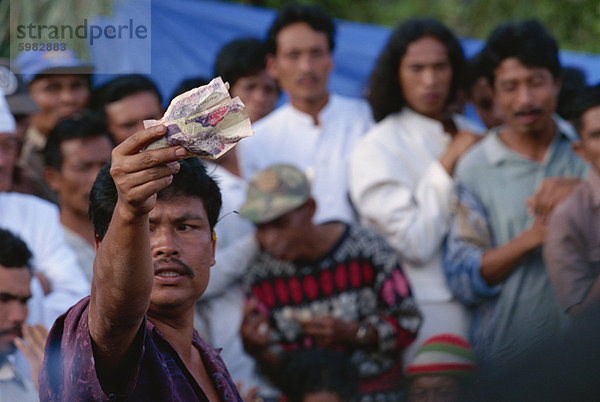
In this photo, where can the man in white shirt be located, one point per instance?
(401, 172)
(76, 150)
(316, 130)
(36, 222)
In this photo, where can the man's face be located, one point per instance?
(14, 293)
(425, 76)
(527, 96)
(302, 63)
(589, 146)
(285, 237)
(9, 151)
(82, 160)
(258, 92)
(434, 388)
(482, 97)
(182, 251)
(125, 116)
(58, 96)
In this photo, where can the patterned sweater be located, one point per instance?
(359, 279)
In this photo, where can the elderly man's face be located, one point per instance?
(285, 237)
(14, 293)
(9, 151)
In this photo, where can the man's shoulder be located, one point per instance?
(576, 209)
(13, 199)
(476, 158)
(349, 105)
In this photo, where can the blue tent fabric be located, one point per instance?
(186, 36)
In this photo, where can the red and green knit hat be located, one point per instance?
(444, 354)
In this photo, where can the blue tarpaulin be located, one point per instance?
(186, 35)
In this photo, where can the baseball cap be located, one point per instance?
(17, 94)
(31, 64)
(273, 192)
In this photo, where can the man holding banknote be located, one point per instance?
(133, 338)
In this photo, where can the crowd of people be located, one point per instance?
(372, 250)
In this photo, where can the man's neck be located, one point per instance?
(532, 145)
(178, 329)
(312, 107)
(79, 224)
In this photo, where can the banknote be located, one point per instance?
(206, 121)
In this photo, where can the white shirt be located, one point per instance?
(36, 221)
(288, 135)
(401, 190)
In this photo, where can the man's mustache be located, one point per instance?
(528, 111)
(187, 269)
(16, 329)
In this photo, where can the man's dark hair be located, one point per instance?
(573, 83)
(587, 99)
(122, 87)
(527, 41)
(240, 58)
(188, 84)
(314, 16)
(308, 371)
(83, 125)
(14, 253)
(192, 180)
(385, 93)
(474, 70)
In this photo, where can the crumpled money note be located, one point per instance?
(204, 120)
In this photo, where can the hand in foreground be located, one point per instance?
(461, 142)
(327, 330)
(139, 176)
(32, 347)
(255, 329)
(549, 194)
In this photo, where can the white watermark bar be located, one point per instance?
(84, 42)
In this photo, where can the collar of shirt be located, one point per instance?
(425, 125)
(35, 138)
(593, 179)
(324, 113)
(497, 152)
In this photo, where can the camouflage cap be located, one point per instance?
(273, 192)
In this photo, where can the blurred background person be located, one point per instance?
(59, 84)
(126, 102)
(76, 150)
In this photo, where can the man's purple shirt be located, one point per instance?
(69, 372)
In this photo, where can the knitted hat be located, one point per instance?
(444, 354)
(273, 192)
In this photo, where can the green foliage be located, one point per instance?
(49, 12)
(574, 23)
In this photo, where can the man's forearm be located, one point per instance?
(123, 274)
(497, 263)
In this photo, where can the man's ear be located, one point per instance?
(271, 65)
(311, 206)
(52, 177)
(96, 242)
(579, 149)
(213, 247)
